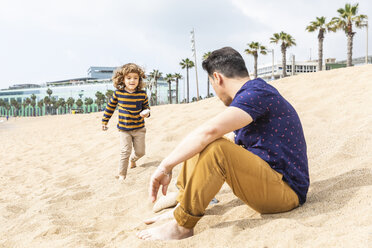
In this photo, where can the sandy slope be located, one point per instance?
(57, 186)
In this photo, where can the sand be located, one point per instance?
(58, 186)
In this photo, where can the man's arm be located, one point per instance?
(229, 120)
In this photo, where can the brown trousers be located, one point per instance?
(250, 178)
(135, 138)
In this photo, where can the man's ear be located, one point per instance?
(217, 78)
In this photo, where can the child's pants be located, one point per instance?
(127, 139)
(250, 178)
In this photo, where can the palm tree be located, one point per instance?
(49, 92)
(79, 103)
(109, 94)
(27, 103)
(53, 102)
(24, 105)
(205, 56)
(7, 107)
(47, 104)
(100, 99)
(169, 79)
(15, 105)
(88, 102)
(33, 103)
(287, 41)
(321, 25)
(2, 106)
(62, 103)
(40, 104)
(348, 17)
(177, 76)
(254, 49)
(70, 102)
(187, 63)
(155, 75)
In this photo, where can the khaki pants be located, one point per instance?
(127, 139)
(250, 178)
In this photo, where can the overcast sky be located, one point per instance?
(45, 40)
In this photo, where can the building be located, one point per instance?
(76, 88)
(101, 72)
(275, 71)
(358, 61)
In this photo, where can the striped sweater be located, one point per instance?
(129, 106)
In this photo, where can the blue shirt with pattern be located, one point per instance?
(275, 135)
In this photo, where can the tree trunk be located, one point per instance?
(349, 49)
(187, 76)
(320, 50)
(176, 90)
(284, 61)
(170, 92)
(255, 65)
(156, 91)
(208, 86)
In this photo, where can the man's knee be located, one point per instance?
(216, 146)
(220, 142)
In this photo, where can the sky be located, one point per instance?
(43, 40)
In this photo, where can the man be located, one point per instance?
(266, 167)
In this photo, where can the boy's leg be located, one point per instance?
(250, 178)
(138, 144)
(125, 151)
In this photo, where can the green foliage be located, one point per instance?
(49, 92)
(187, 63)
(79, 103)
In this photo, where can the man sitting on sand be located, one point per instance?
(266, 167)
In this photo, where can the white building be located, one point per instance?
(274, 71)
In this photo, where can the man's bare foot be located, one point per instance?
(133, 164)
(168, 231)
(163, 216)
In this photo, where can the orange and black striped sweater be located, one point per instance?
(129, 106)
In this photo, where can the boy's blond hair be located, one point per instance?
(122, 71)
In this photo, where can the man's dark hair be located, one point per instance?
(226, 61)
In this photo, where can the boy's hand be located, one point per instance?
(144, 116)
(104, 127)
(145, 113)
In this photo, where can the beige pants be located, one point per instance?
(250, 178)
(135, 138)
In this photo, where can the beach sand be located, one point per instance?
(58, 186)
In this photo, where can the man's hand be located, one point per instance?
(104, 127)
(159, 177)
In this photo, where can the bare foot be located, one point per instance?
(133, 165)
(168, 231)
(120, 177)
(163, 216)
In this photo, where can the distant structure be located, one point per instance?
(358, 61)
(99, 79)
(270, 72)
(274, 71)
(101, 72)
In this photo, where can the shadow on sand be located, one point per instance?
(325, 196)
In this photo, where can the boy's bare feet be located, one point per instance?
(168, 231)
(133, 164)
(163, 216)
(120, 177)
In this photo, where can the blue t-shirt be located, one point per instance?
(275, 135)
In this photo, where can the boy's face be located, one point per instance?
(131, 81)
